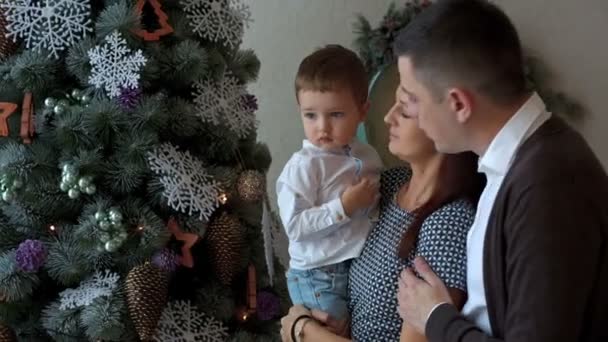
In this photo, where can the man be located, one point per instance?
(537, 253)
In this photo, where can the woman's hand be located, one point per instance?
(287, 321)
(338, 327)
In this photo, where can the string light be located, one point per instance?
(52, 228)
(223, 198)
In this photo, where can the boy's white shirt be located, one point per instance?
(308, 194)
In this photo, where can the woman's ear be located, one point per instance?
(364, 109)
(461, 103)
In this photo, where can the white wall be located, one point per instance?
(568, 35)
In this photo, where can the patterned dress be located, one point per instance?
(374, 275)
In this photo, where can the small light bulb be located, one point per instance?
(223, 198)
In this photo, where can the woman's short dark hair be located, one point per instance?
(470, 43)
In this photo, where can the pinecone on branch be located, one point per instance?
(7, 334)
(225, 241)
(147, 289)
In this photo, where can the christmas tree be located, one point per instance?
(133, 186)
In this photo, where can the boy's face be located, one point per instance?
(330, 118)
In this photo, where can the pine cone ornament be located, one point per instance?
(147, 289)
(7, 334)
(225, 242)
(251, 185)
(7, 46)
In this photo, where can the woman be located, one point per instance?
(425, 210)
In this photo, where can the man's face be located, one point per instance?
(436, 117)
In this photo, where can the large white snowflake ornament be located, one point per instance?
(181, 322)
(224, 103)
(51, 25)
(222, 21)
(115, 66)
(101, 284)
(188, 188)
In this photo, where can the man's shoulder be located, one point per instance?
(553, 152)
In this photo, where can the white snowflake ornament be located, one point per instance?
(51, 25)
(101, 284)
(115, 66)
(222, 21)
(223, 103)
(188, 188)
(181, 322)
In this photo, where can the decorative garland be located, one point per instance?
(375, 47)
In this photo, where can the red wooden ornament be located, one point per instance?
(6, 110)
(27, 119)
(188, 239)
(164, 29)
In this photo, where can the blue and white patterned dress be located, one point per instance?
(374, 275)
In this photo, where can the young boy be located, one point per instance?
(328, 188)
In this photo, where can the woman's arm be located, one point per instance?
(409, 334)
(311, 330)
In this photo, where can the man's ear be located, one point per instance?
(461, 103)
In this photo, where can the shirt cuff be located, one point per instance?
(433, 309)
(439, 320)
(336, 210)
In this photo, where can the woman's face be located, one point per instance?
(406, 140)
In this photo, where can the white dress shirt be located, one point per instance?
(495, 164)
(308, 193)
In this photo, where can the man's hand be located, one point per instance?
(359, 196)
(417, 297)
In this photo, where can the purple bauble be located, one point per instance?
(269, 306)
(166, 260)
(251, 102)
(31, 255)
(129, 98)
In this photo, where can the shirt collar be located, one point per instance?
(340, 150)
(502, 149)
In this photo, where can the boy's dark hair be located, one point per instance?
(470, 43)
(330, 68)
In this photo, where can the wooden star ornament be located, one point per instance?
(188, 239)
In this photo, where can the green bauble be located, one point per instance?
(104, 237)
(105, 225)
(90, 189)
(85, 99)
(7, 196)
(17, 184)
(68, 168)
(75, 94)
(112, 246)
(123, 235)
(50, 102)
(73, 193)
(115, 216)
(59, 109)
(64, 186)
(63, 102)
(100, 216)
(70, 178)
(83, 182)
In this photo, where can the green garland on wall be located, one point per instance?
(375, 47)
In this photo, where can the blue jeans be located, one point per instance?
(323, 288)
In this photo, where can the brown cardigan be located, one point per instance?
(546, 248)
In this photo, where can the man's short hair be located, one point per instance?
(470, 43)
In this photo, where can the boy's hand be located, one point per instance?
(359, 196)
